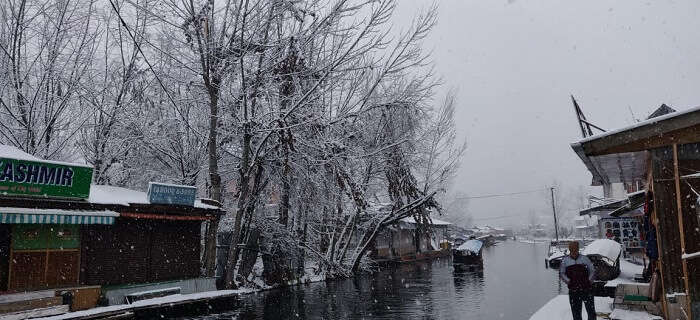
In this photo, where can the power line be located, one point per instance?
(502, 194)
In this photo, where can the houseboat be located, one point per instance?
(404, 242)
(469, 253)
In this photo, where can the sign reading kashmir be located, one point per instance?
(164, 193)
(44, 179)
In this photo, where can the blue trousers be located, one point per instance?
(585, 297)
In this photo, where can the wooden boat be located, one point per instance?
(487, 240)
(605, 256)
(469, 253)
(556, 252)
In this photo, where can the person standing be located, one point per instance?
(577, 272)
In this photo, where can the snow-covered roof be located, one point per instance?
(103, 194)
(471, 246)
(436, 222)
(16, 153)
(620, 155)
(604, 247)
(647, 122)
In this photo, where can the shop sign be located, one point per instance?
(163, 193)
(44, 179)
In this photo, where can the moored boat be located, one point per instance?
(487, 240)
(469, 253)
(605, 256)
(556, 252)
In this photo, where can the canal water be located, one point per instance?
(513, 285)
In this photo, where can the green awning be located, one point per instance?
(55, 216)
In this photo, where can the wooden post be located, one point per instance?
(654, 218)
(554, 211)
(676, 176)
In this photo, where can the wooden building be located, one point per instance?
(57, 234)
(665, 152)
(403, 242)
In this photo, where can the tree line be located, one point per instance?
(313, 122)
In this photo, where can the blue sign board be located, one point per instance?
(164, 193)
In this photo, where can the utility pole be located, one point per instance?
(554, 211)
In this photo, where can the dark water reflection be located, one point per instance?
(512, 285)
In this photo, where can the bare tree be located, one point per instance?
(45, 54)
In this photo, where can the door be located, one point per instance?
(44, 256)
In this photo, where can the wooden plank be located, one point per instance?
(666, 222)
(83, 297)
(5, 238)
(64, 268)
(13, 297)
(27, 270)
(35, 313)
(679, 212)
(17, 306)
(656, 219)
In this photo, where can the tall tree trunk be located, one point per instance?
(284, 191)
(215, 180)
(243, 200)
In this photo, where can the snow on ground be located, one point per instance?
(632, 315)
(559, 308)
(172, 299)
(627, 272)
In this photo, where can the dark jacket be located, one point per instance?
(578, 274)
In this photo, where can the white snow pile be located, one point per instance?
(604, 247)
(471, 246)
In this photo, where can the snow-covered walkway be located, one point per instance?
(168, 300)
(558, 308)
(627, 272)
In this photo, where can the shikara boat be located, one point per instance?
(469, 253)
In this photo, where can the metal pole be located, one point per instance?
(554, 211)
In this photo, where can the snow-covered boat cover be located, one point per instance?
(471, 245)
(604, 247)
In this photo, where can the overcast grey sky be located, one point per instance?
(514, 64)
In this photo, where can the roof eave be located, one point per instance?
(598, 178)
(681, 127)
